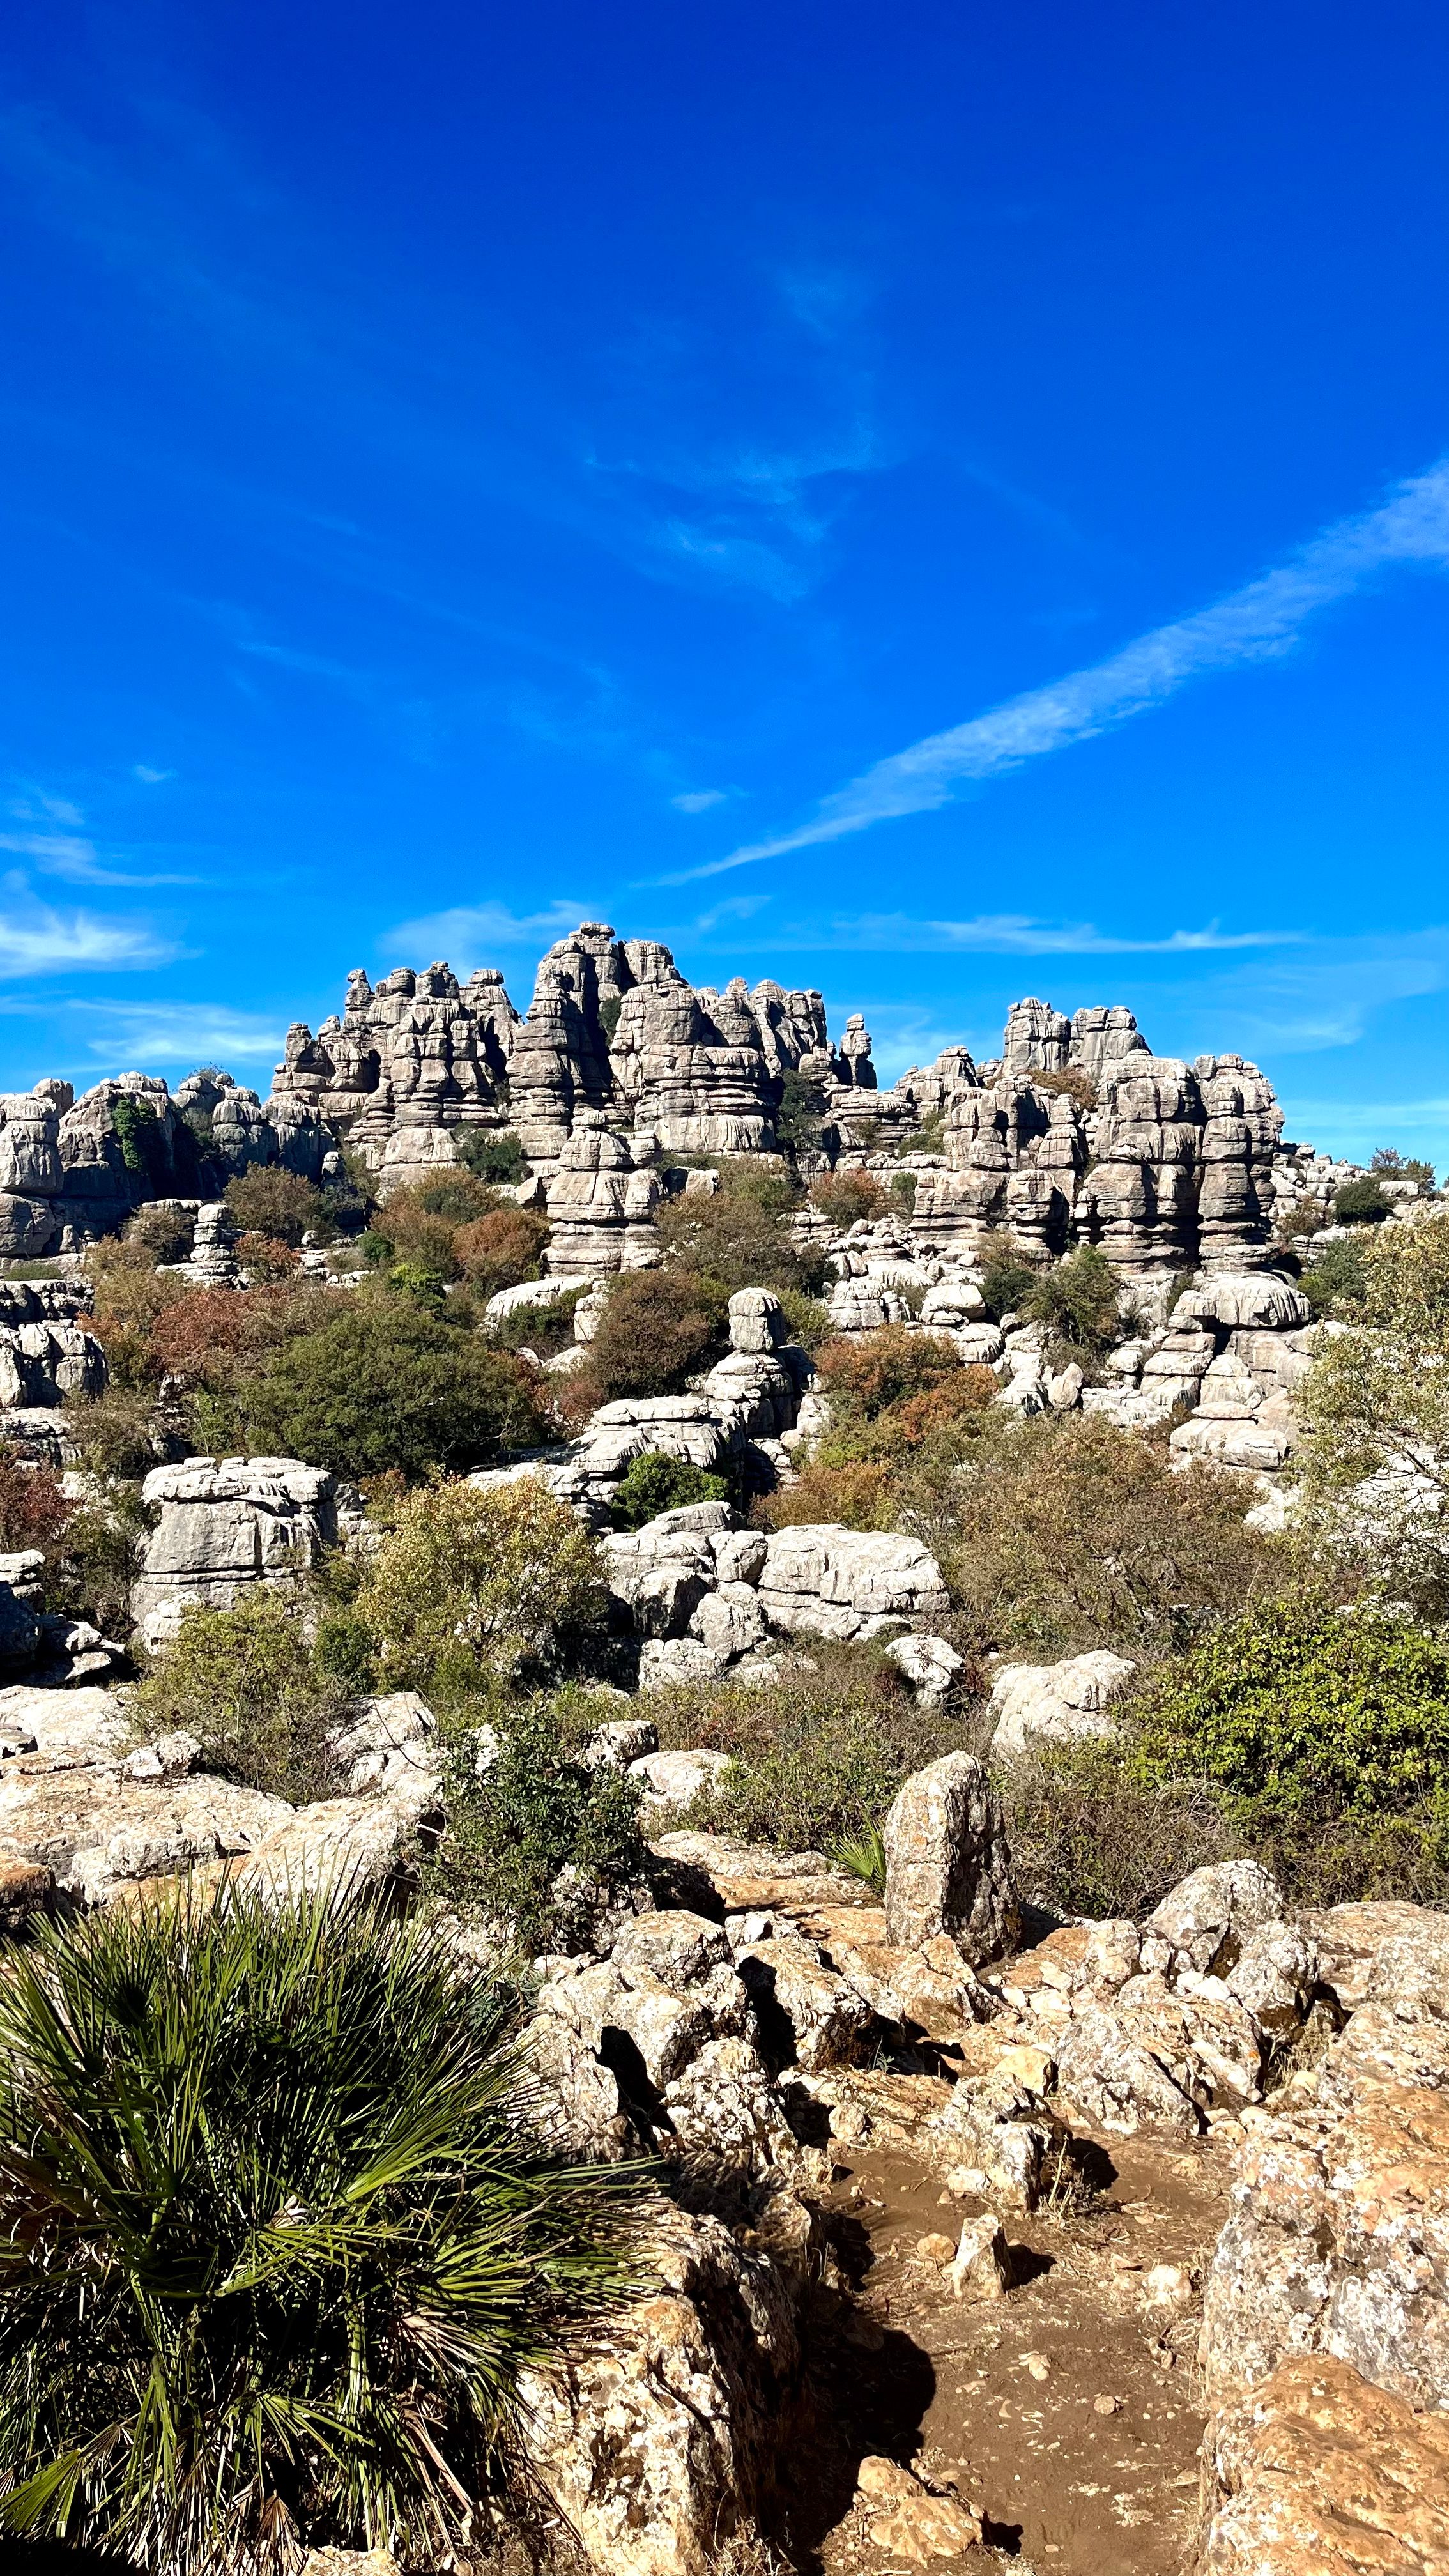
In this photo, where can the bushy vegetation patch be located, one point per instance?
(499, 1160)
(383, 1384)
(1361, 1203)
(1061, 1533)
(813, 1753)
(739, 1235)
(1375, 1405)
(1314, 1739)
(266, 1200)
(848, 1197)
(654, 1483)
(249, 1685)
(536, 1838)
(658, 1329)
(1007, 1277)
(1076, 1302)
(276, 2235)
(1306, 1717)
(474, 1585)
(502, 1249)
(1088, 1836)
(1336, 1280)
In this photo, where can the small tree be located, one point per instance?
(382, 1383)
(800, 1117)
(276, 2235)
(266, 1200)
(654, 1483)
(1373, 1463)
(657, 1328)
(472, 1584)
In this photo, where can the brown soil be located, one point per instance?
(1004, 2404)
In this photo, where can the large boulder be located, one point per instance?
(657, 2447)
(1319, 2473)
(1055, 1703)
(947, 1868)
(1338, 2237)
(819, 1579)
(226, 1523)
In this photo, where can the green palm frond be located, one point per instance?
(277, 2234)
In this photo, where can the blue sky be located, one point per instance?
(940, 503)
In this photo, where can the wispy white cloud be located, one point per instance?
(178, 1032)
(698, 800)
(150, 777)
(1015, 934)
(68, 853)
(35, 940)
(469, 932)
(1258, 623)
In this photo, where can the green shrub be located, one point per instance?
(546, 1328)
(382, 1383)
(248, 1684)
(471, 1584)
(1294, 1717)
(498, 1160)
(845, 1197)
(654, 1483)
(1336, 1279)
(1007, 1278)
(540, 1838)
(1062, 1533)
(266, 1200)
(1076, 1300)
(1375, 1403)
(739, 1235)
(1361, 1203)
(138, 1133)
(813, 1752)
(1088, 1836)
(276, 2235)
(800, 1116)
(658, 1328)
(903, 1191)
(1391, 1163)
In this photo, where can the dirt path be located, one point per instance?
(1066, 2413)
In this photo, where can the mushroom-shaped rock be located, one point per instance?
(758, 1321)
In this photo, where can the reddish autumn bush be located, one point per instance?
(858, 1494)
(33, 1510)
(968, 1390)
(502, 1249)
(265, 1256)
(657, 1330)
(866, 1373)
(847, 1197)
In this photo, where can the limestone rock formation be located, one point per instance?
(226, 1523)
(946, 1862)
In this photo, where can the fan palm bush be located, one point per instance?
(277, 2235)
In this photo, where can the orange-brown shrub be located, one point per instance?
(502, 1249)
(857, 1495)
(865, 1373)
(847, 1197)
